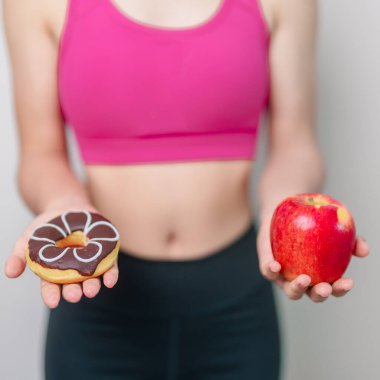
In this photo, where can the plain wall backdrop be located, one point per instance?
(336, 340)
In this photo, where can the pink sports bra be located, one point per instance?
(133, 92)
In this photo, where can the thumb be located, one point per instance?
(16, 262)
(269, 267)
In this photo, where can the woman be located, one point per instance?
(164, 101)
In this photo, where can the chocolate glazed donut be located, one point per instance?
(73, 247)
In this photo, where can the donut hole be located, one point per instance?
(74, 240)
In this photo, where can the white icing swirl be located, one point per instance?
(87, 228)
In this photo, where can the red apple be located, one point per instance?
(312, 234)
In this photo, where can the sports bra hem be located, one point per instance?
(220, 146)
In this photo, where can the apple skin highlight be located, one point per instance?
(312, 234)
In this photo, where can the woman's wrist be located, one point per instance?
(266, 216)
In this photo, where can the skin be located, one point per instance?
(180, 219)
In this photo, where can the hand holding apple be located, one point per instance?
(312, 234)
(314, 224)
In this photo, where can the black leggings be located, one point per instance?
(206, 319)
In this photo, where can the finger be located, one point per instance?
(361, 248)
(296, 289)
(16, 263)
(51, 293)
(271, 269)
(342, 286)
(14, 266)
(111, 276)
(72, 292)
(91, 287)
(320, 292)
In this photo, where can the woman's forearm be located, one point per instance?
(290, 170)
(49, 182)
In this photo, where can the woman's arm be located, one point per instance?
(44, 176)
(294, 162)
(45, 179)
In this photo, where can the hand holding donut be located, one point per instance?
(70, 246)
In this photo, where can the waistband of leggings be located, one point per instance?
(189, 286)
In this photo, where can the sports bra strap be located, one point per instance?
(76, 8)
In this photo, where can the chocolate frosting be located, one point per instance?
(102, 235)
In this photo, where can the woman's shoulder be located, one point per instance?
(280, 12)
(36, 18)
(25, 12)
(288, 10)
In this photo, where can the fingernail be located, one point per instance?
(92, 292)
(51, 302)
(8, 269)
(111, 282)
(74, 296)
(302, 286)
(274, 267)
(348, 287)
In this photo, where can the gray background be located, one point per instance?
(335, 340)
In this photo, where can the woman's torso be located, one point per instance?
(176, 210)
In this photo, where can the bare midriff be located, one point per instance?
(174, 211)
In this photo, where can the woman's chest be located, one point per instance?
(119, 73)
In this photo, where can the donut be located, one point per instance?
(73, 247)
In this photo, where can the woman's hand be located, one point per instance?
(295, 289)
(51, 293)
